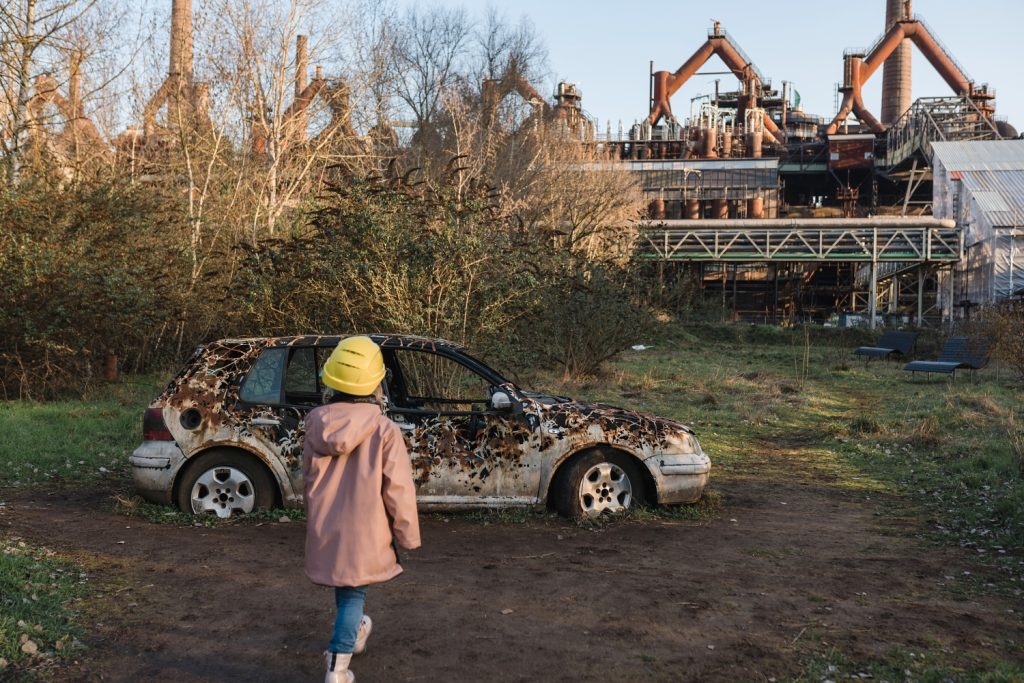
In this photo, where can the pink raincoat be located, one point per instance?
(358, 492)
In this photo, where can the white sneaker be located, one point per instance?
(337, 668)
(365, 627)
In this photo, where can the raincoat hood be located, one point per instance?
(341, 430)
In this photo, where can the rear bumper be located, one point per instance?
(155, 466)
(680, 478)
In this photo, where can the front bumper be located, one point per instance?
(155, 466)
(679, 477)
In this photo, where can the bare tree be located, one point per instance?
(429, 57)
(33, 39)
(500, 46)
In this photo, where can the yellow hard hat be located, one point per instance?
(356, 367)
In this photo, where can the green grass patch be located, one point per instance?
(919, 666)
(37, 592)
(767, 403)
(780, 405)
(131, 505)
(78, 440)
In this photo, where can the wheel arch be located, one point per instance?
(236, 448)
(649, 483)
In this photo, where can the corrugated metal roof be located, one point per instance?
(999, 194)
(990, 201)
(981, 155)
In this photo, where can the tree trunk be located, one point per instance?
(25, 43)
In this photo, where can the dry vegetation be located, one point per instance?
(239, 207)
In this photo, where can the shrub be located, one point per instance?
(588, 315)
(82, 271)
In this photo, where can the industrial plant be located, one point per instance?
(913, 216)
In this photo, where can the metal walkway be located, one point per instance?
(867, 240)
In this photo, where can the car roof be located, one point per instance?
(384, 340)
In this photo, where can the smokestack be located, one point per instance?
(301, 64)
(181, 39)
(75, 85)
(896, 73)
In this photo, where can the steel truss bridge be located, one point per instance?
(844, 240)
(886, 246)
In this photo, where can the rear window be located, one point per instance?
(263, 383)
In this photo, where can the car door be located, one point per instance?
(280, 389)
(464, 451)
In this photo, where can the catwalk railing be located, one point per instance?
(877, 240)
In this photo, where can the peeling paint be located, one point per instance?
(482, 454)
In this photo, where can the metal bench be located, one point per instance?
(889, 344)
(958, 353)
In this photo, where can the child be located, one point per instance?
(359, 494)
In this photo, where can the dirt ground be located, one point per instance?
(789, 571)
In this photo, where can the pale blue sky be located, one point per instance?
(605, 47)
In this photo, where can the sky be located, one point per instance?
(606, 48)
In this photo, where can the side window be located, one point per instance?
(434, 382)
(263, 383)
(300, 379)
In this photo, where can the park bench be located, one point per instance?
(958, 353)
(889, 344)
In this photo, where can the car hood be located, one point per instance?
(565, 417)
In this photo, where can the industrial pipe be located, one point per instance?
(858, 71)
(667, 84)
(897, 72)
(181, 39)
(810, 223)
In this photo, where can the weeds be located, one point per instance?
(1015, 434)
(72, 440)
(36, 590)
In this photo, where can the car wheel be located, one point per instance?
(597, 482)
(225, 483)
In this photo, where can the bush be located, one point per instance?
(587, 316)
(1005, 326)
(82, 275)
(392, 256)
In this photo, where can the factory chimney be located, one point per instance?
(301, 64)
(896, 74)
(181, 40)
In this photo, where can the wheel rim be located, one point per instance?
(223, 491)
(605, 487)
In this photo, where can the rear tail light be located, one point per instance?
(153, 426)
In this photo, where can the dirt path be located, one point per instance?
(787, 572)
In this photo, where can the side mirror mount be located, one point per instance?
(501, 402)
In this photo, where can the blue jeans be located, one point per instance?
(346, 624)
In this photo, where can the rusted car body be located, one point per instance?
(475, 439)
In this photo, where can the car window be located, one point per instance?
(300, 378)
(263, 383)
(434, 382)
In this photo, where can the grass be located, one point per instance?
(798, 402)
(768, 404)
(925, 665)
(73, 441)
(37, 592)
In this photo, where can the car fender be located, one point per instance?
(548, 476)
(289, 496)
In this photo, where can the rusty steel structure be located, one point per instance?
(566, 114)
(897, 74)
(860, 66)
(186, 101)
(79, 134)
(665, 84)
(334, 93)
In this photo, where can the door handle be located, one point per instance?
(266, 422)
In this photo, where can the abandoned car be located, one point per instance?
(225, 436)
